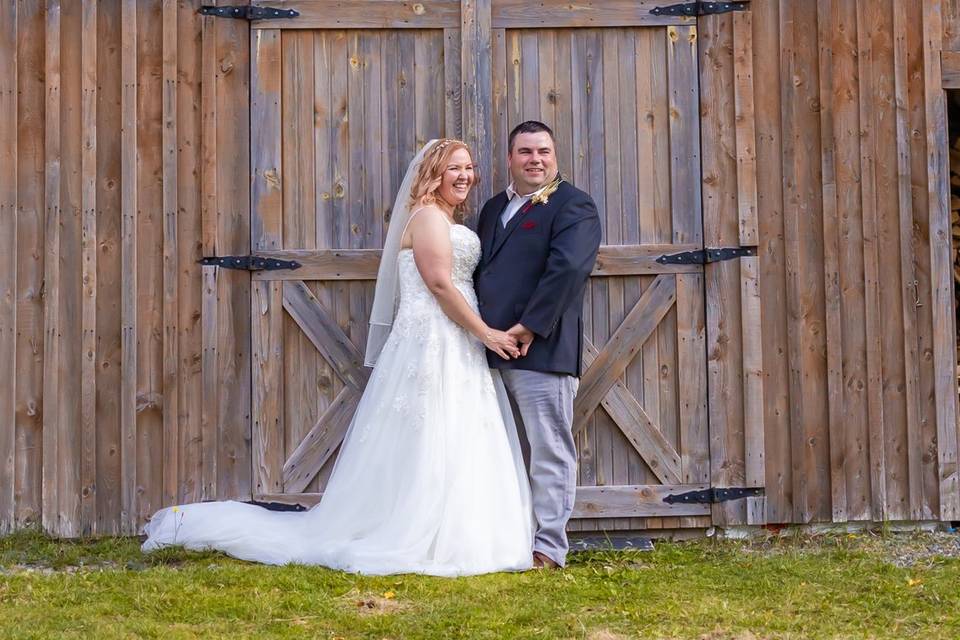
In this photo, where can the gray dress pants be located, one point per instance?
(545, 404)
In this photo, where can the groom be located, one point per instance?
(540, 239)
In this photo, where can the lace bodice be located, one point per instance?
(415, 298)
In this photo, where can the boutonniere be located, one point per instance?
(528, 225)
(543, 195)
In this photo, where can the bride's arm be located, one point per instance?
(433, 254)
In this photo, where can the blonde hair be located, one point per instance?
(430, 174)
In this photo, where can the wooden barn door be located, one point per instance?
(336, 116)
(341, 100)
(624, 103)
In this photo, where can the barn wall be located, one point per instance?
(123, 159)
(859, 390)
(127, 366)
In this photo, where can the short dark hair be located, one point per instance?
(530, 126)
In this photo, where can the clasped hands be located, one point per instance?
(510, 344)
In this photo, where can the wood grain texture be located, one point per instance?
(477, 89)
(170, 269)
(803, 245)
(8, 263)
(233, 224)
(88, 270)
(944, 323)
(831, 263)
(637, 425)
(367, 14)
(622, 345)
(721, 227)
(911, 376)
(519, 14)
(268, 199)
(209, 331)
(52, 514)
(627, 501)
(950, 69)
(875, 405)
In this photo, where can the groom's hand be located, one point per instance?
(523, 335)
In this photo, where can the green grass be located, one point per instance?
(837, 586)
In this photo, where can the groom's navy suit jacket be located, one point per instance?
(535, 272)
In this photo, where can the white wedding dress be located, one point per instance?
(430, 478)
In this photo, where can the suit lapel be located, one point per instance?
(542, 209)
(497, 205)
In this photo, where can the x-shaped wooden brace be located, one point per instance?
(601, 385)
(334, 345)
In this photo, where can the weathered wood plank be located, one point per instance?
(189, 229)
(324, 64)
(477, 90)
(746, 127)
(171, 299)
(209, 330)
(944, 322)
(108, 271)
(499, 124)
(635, 501)
(920, 216)
(950, 69)
(453, 107)
(232, 61)
(625, 342)
(721, 213)
(692, 416)
(268, 385)
(88, 270)
(684, 134)
(8, 262)
(873, 329)
(70, 264)
(767, 107)
(275, 203)
(297, 362)
(750, 301)
(367, 14)
(149, 265)
(561, 14)
(831, 264)
(362, 264)
(803, 240)
(52, 515)
(909, 294)
(31, 96)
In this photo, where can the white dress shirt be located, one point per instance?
(514, 202)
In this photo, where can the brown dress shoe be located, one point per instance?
(540, 561)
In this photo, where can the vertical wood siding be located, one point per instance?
(124, 157)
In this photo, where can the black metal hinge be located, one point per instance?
(706, 256)
(713, 495)
(249, 263)
(699, 8)
(248, 12)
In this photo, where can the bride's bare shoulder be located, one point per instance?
(427, 215)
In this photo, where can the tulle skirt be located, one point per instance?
(429, 479)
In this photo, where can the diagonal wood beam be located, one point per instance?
(320, 442)
(623, 345)
(637, 425)
(325, 334)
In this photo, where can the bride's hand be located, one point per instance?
(501, 343)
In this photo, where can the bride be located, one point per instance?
(430, 477)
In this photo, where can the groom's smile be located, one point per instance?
(532, 161)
